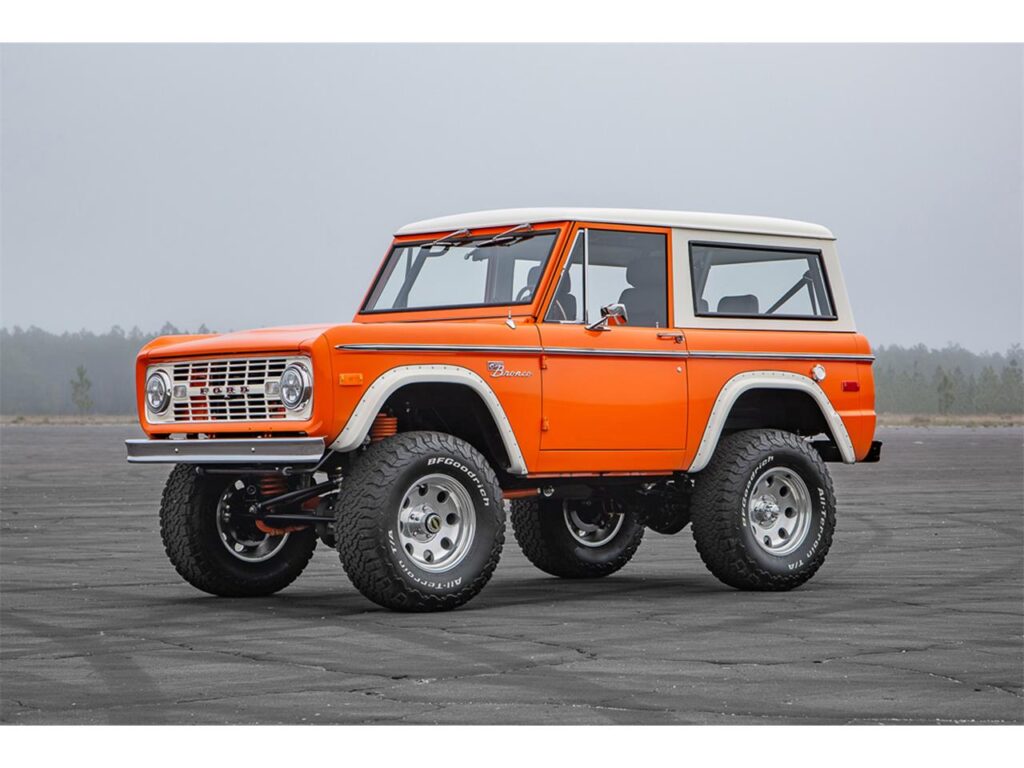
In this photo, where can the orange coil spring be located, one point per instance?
(273, 485)
(383, 426)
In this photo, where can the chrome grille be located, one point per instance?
(228, 390)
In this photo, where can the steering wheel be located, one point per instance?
(525, 293)
(556, 304)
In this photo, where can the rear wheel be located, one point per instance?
(420, 522)
(575, 539)
(217, 549)
(764, 511)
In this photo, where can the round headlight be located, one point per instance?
(296, 386)
(158, 392)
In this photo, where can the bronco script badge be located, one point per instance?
(498, 370)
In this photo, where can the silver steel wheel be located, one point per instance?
(779, 511)
(241, 537)
(436, 523)
(591, 528)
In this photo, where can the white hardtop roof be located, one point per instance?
(717, 222)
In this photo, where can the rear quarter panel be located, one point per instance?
(707, 376)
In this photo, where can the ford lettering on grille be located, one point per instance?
(229, 390)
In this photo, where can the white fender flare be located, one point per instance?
(373, 399)
(744, 382)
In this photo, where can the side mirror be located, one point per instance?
(611, 314)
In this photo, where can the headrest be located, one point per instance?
(533, 276)
(646, 272)
(564, 284)
(739, 305)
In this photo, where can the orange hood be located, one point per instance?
(284, 339)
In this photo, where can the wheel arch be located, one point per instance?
(775, 386)
(406, 381)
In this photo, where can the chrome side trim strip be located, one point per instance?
(270, 450)
(438, 348)
(587, 352)
(508, 349)
(725, 355)
(743, 382)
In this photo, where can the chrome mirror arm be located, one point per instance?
(608, 312)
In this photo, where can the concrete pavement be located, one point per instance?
(917, 615)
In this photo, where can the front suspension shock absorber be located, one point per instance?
(271, 486)
(383, 426)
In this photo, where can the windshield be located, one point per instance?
(469, 272)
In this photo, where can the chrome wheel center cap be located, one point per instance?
(421, 522)
(765, 509)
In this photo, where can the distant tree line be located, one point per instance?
(71, 373)
(84, 372)
(951, 380)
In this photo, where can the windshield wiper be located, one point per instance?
(506, 237)
(444, 240)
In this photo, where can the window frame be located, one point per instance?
(383, 274)
(585, 228)
(695, 299)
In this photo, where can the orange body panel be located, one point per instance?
(627, 403)
(629, 400)
(708, 376)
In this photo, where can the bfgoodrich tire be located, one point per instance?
(575, 539)
(764, 511)
(218, 554)
(420, 522)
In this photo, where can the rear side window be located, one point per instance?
(746, 281)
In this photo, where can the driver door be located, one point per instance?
(616, 387)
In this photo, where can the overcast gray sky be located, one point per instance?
(242, 186)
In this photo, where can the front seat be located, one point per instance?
(745, 304)
(645, 301)
(532, 278)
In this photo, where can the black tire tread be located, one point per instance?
(364, 493)
(181, 503)
(551, 555)
(717, 526)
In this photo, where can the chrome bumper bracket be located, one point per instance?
(270, 450)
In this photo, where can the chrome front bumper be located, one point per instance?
(270, 450)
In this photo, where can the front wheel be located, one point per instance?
(420, 522)
(764, 511)
(575, 538)
(217, 549)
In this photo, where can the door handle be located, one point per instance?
(676, 337)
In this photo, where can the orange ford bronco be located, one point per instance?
(602, 371)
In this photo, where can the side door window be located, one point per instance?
(613, 267)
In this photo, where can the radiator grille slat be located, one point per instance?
(228, 390)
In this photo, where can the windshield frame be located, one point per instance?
(385, 270)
